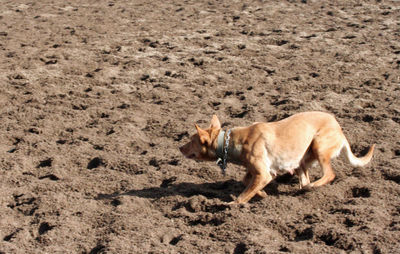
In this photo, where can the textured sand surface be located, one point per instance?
(97, 96)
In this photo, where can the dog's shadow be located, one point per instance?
(222, 190)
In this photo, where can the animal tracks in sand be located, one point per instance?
(95, 100)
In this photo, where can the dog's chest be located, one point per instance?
(279, 163)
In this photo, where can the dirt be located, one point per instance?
(97, 96)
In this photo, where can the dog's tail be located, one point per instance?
(356, 161)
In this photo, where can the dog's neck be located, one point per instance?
(220, 144)
(232, 151)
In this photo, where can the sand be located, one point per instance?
(97, 96)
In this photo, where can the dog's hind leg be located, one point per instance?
(325, 150)
(304, 178)
(329, 174)
(302, 171)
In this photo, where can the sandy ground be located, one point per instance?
(96, 97)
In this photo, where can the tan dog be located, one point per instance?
(290, 145)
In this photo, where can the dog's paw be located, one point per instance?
(235, 202)
(307, 187)
(262, 194)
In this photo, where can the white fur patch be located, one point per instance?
(268, 163)
(339, 151)
(356, 162)
(277, 164)
(288, 166)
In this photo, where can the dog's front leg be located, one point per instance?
(246, 181)
(260, 177)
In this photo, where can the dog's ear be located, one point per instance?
(215, 123)
(203, 135)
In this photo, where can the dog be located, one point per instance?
(291, 145)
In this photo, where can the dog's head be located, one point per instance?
(202, 145)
